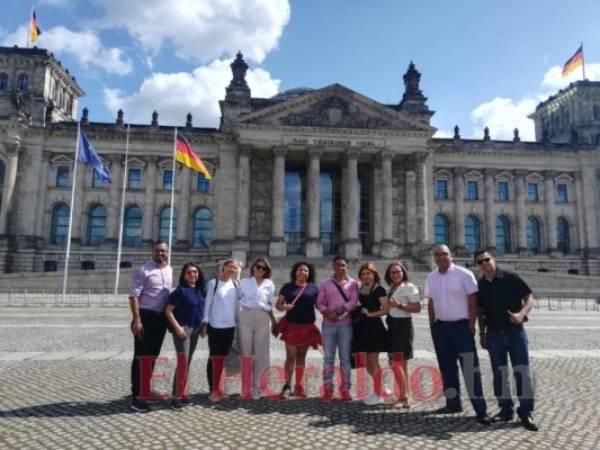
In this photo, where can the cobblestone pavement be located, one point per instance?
(64, 381)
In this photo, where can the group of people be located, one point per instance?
(354, 311)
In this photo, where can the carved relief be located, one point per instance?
(336, 112)
(261, 169)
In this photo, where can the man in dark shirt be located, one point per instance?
(504, 300)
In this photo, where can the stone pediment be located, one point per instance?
(334, 107)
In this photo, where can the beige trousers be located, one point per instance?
(254, 336)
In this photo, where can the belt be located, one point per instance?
(451, 322)
(151, 312)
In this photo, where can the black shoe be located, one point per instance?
(502, 417)
(140, 406)
(286, 391)
(448, 410)
(528, 423)
(483, 419)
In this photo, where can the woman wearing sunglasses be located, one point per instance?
(257, 295)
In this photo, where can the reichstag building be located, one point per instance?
(310, 172)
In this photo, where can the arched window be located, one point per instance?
(132, 226)
(163, 225)
(502, 234)
(202, 228)
(60, 224)
(562, 235)
(3, 82)
(23, 82)
(533, 234)
(97, 225)
(441, 230)
(472, 233)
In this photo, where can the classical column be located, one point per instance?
(521, 215)
(423, 230)
(241, 245)
(277, 246)
(549, 212)
(589, 187)
(8, 189)
(410, 195)
(79, 206)
(376, 199)
(388, 248)
(43, 194)
(116, 184)
(490, 209)
(581, 230)
(313, 247)
(351, 246)
(459, 210)
(149, 204)
(183, 210)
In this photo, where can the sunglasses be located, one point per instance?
(263, 268)
(484, 260)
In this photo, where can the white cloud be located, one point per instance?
(202, 30)
(173, 95)
(443, 134)
(503, 115)
(86, 46)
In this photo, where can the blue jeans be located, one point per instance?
(339, 337)
(513, 343)
(453, 341)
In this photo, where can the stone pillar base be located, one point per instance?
(239, 250)
(524, 252)
(554, 253)
(313, 248)
(388, 250)
(461, 251)
(277, 247)
(351, 249)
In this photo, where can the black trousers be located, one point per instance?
(219, 344)
(146, 346)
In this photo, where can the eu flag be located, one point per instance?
(87, 154)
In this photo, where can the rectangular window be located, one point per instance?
(472, 190)
(561, 193)
(203, 183)
(167, 180)
(62, 176)
(134, 179)
(97, 181)
(441, 189)
(532, 192)
(502, 191)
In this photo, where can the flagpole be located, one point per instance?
(69, 229)
(122, 214)
(29, 25)
(172, 197)
(582, 61)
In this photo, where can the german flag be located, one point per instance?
(34, 29)
(185, 154)
(574, 62)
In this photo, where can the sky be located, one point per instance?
(483, 62)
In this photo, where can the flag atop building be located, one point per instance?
(573, 62)
(185, 154)
(87, 154)
(34, 29)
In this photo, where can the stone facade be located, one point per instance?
(307, 172)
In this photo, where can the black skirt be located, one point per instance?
(369, 335)
(400, 336)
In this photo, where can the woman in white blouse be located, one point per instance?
(256, 316)
(219, 321)
(404, 300)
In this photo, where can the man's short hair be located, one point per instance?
(339, 258)
(480, 252)
(160, 242)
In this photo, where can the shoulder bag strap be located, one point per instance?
(339, 288)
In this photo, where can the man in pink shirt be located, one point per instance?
(338, 296)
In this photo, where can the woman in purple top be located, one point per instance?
(184, 311)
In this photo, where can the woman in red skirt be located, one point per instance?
(297, 328)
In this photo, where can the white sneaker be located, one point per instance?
(372, 400)
(256, 396)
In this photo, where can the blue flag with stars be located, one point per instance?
(87, 154)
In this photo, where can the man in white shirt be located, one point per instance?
(452, 306)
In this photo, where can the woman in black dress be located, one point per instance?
(370, 335)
